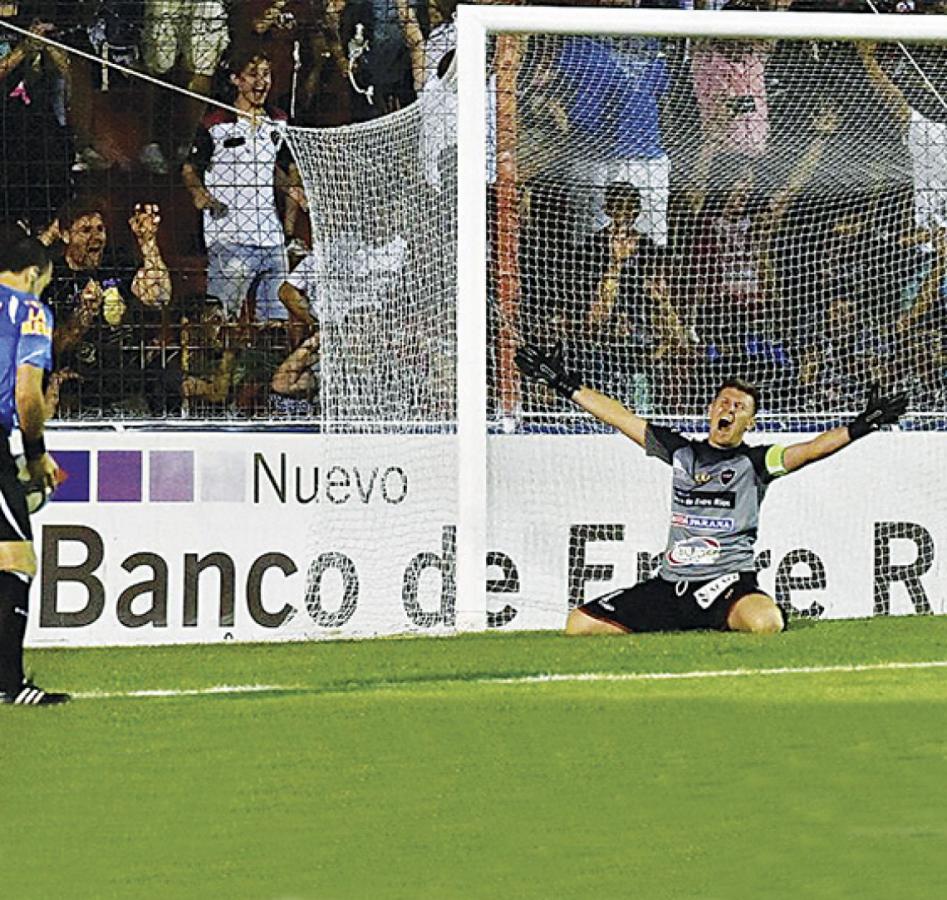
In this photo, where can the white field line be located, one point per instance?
(522, 679)
(719, 673)
(183, 692)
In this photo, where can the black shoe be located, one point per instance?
(30, 695)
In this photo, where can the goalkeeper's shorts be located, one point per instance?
(660, 605)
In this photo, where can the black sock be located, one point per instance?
(14, 597)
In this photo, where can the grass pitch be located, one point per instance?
(429, 768)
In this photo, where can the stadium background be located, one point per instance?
(76, 137)
(81, 142)
(532, 765)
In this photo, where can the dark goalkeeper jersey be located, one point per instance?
(715, 503)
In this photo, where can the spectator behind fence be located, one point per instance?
(629, 327)
(109, 315)
(209, 352)
(730, 86)
(325, 92)
(285, 31)
(35, 155)
(921, 357)
(735, 259)
(195, 33)
(110, 30)
(227, 366)
(235, 166)
(871, 154)
(294, 387)
(429, 52)
(614, 87)
(843, 355)
(926, 139)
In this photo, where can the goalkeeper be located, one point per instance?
(706, 578)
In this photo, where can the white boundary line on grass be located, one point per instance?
(719, 673)
(521, 679)
(183, 692)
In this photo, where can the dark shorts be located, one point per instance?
(14, 518)
(659, 605)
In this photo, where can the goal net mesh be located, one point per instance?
(381, 280)
(689, 210)
(677, 212)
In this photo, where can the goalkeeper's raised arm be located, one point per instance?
(707, 577)
(550, 370)
(878, 411)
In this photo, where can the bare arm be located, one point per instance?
(878, 411)
(297, 304)
(30, 404)
(152, 282)
(415, 41)
(290, 183)
(548, 368)
(696, 193)
(827, 443)
(12, 60)
(606, 293)
(26, 47)
(88, 304)
(825, 123)
(200, 196)
(611, 412)
(294, 376)
(31, 413)
(891, 94)
(621, 248)
(53, 389)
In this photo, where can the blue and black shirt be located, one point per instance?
(26, 338)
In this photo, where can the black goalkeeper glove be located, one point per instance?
(547, 368)
(879, 411)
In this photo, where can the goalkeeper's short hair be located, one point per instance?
(745, 387)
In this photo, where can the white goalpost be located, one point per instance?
(777, 290)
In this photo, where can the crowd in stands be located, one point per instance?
(776, 209)
(178, 225)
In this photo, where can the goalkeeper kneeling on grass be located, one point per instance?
(706, 578)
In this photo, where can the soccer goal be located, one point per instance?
(675, 198)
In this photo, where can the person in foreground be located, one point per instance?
(26, 340)
(707, 577)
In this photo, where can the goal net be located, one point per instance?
(382, 281)
(759, 196)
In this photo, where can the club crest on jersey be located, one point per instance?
(695, 551)
(36, 323)
(727, 475)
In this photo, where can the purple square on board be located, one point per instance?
(171, 476)
(75, 464)
(119, 476)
